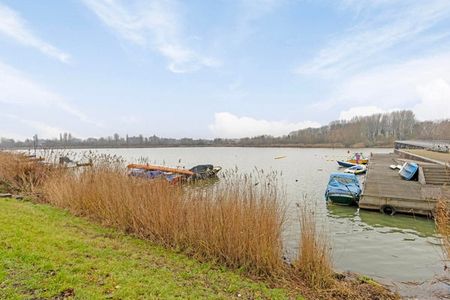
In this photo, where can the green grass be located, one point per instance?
(368, 280)
(47, 253)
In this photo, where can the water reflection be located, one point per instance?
(420, 226)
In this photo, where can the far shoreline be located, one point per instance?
(309, 146)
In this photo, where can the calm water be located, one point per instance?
(401, 251)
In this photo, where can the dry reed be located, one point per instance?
(442, 219)
(235, 222)
(22, 174)
(314, 257)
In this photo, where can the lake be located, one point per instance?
(400, 251)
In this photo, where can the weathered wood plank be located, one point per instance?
(384, 187)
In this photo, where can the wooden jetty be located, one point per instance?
(386, 191)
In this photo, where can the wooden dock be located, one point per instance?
(386, 191)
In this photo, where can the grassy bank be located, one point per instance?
(46, 253)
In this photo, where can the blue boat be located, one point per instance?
(345, 164)
(343, 189)
(154, 174)
(409, 171)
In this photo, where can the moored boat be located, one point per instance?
(358, 159)
(409, 170)
(343, 189)
(205, 171)
(356, 169)
(160, 168)
(364, 161)
(173, 175)
(345, 164)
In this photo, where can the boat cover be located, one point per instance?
(343, 183)
(145, 173)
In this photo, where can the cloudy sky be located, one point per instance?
(219, 68)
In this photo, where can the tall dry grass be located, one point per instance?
(313, 263)
(442, 219)
(236, 222)
(22, 174)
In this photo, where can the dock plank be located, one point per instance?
(384, 187)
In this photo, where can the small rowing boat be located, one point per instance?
(409, 170)
(161, 168)
(357, 169)
(345, 164)
(358, 159)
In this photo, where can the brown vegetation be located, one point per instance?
(237, 222)
(19, 173)
(314, 257)
(442, 219)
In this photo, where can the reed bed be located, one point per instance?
(22, 174)
(314, 258)
(442, 219)
(237, 224)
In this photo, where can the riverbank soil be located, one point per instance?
(46, 253)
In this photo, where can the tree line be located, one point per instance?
(369, 131)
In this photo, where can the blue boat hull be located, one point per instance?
(343, 199)
(409, 171)
(345, 164)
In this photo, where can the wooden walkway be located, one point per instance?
(385, 190)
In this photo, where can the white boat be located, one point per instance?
(357, 169)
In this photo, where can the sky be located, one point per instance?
(219, 68)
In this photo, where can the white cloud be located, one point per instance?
(421, 85)
(17, 90)
(249, 12)
(434, 100)
(360, 6)
(13, 26)
(130, 119)
(227, 125)
(356, 49)
(15, 136)
(153, 24)
(360, 111)
(42, 129)
(255, 9)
